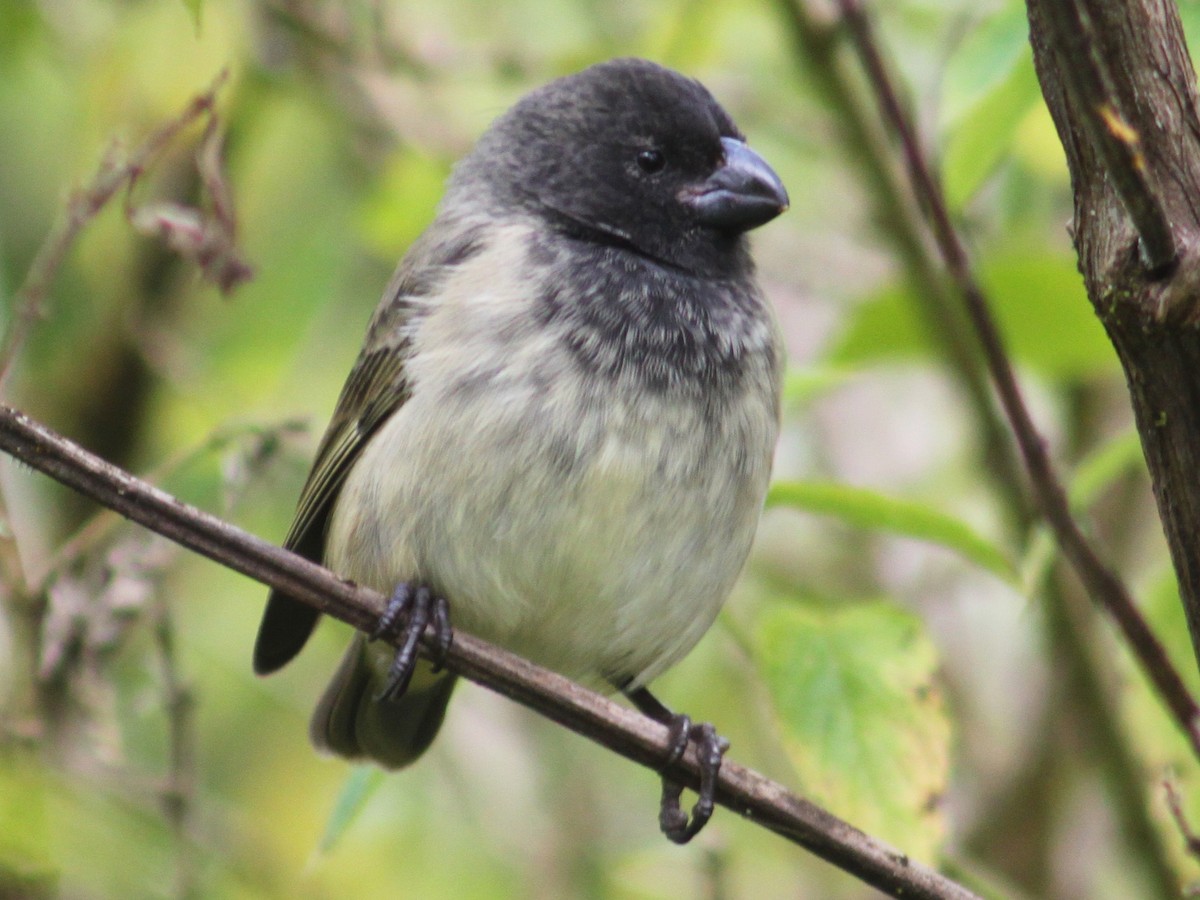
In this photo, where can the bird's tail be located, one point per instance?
(351, 721)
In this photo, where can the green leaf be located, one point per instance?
(975, 147)
(1092, 476)
(984, 62)
(195, 9)
(861, 716)
(868, 509)
(1046, 316)
(988, 91)
(1038, 299)
(884, 327)
(1104, 465)
(800, 386)
(362, 783)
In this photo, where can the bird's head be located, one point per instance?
(633, 154)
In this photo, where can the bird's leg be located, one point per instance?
(409, 609)
(710, 747)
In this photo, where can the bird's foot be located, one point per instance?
(409, 610)
(676, 824)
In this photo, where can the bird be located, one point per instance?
(559, 431)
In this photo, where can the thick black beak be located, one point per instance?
(742, 194)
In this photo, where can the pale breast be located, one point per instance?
(580, 520)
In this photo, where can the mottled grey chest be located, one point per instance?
(635, 320)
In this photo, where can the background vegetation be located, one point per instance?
(904, 648)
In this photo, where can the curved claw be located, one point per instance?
(394, 613)
(443, 633)
(710, 748)
(409, 610)
(677, 825)
(679, 732)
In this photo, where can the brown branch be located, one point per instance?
(819, 38)
(1175, 804)
(100, 527)
(865, 141)
(604, 721)
(1088, 78)
(1146, 319)
(1101, 583)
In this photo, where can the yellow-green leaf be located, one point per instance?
(977, 145)
(362, 783)
(195, 9)
(1038, 298)
(868, 509)
(862, 718)
(803, 385)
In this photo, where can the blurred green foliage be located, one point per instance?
(861, 716)
(938, 718)
(870, 510)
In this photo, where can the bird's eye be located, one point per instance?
(651, 161)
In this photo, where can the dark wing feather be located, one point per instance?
(376, 388)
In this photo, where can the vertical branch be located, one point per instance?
(816, 37)
(1093, 89)
(1101, 583)
(1120, 87)
(817, 40)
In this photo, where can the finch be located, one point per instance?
(559, 431)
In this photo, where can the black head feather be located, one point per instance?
(606, 154)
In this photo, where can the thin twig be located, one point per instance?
(13, 577)
(1102, 584)
(863, 138)
(1175, 804)
(206, 238)
(616, 727)
(179, 787)
(30, 300)
(819, 38)
(100, 527)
